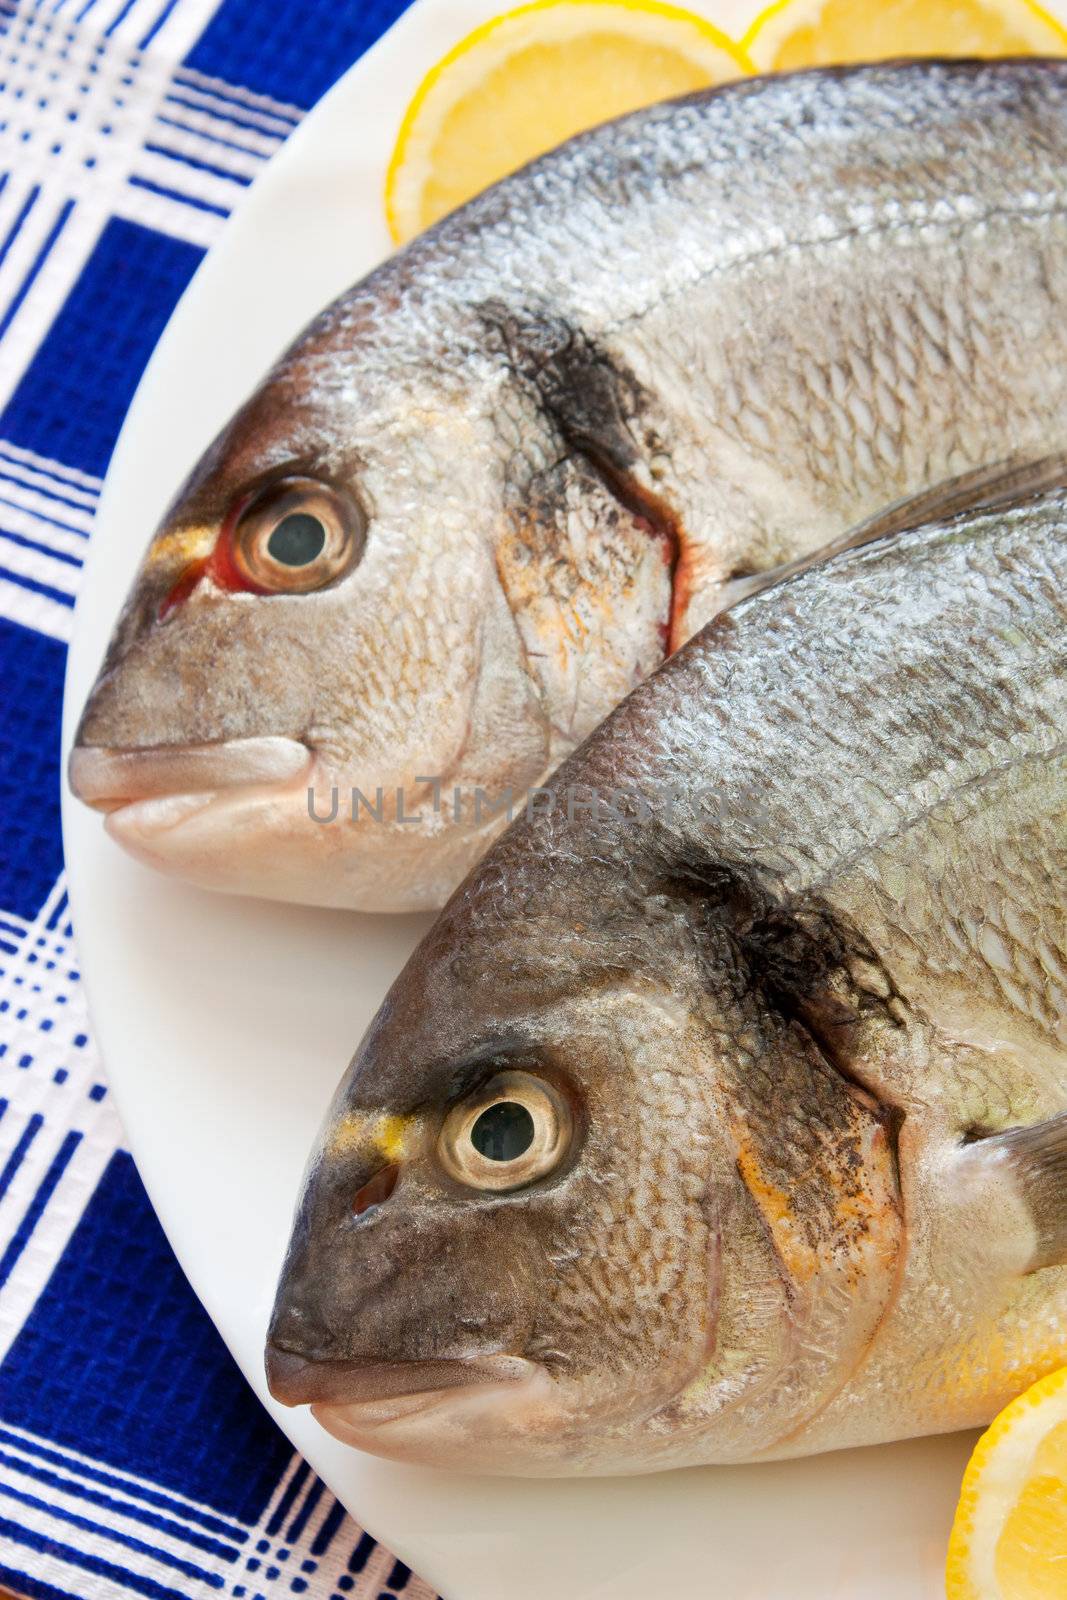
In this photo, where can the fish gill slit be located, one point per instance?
(792, 1009)
(790, 954)
(804, 1012)
(592, 400)
(893, 1118)
(890, 1115)
(648, 509)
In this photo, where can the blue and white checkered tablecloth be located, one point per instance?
(133, 1457)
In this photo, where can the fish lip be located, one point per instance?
(384, 1391)
(170, 778)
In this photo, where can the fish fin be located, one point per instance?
(1037, 1158)
(986, 488)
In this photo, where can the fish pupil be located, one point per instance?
(297, 539)
(503, 1132)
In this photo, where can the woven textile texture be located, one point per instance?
(134, 1460)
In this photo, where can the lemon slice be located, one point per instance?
(531, 78)
(1009, 1539)
(808, 33)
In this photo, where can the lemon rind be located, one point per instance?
(995, 1474)
(764, 36)
(409, 164)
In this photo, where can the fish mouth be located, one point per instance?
(165, 778)
(251, 816)
(373, 1396)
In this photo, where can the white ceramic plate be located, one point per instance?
(225, 1024)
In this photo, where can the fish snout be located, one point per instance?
(287, 1375)
(300, 1351)
(342, 1333)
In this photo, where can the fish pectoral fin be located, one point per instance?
(1037, 1159)
(993, 487)
(996, 485)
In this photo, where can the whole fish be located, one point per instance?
(722, 1114)
(496, 483)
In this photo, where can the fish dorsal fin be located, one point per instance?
(986, 488)
(1036, 1156)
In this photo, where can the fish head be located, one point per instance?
(318, 621)
(597, 1193)
(507, 1252)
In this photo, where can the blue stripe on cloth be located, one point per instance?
(24, 1583)
(72, 482)
(39, 260)
(18, 1155)
(64, 499)
(176, 194)
(119, 18)
(32, 857)
(243, 43)
(106, 1327)
(38, 544)
(42, 516)
(362, 1553)
(214, 138)
(146, 39)
(300, 1521)
(15, 228)
(108, 1502)
(224, 94)
(94, 1564)
(74, 394)
(57, 911)
(330, 1524)
(36, 586)
(198, 165)
(285, 1504)
(240, 116)
(166, 1558)
(35, 1210)
(149, 1495)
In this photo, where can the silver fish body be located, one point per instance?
(722, 1114)
(543, 444)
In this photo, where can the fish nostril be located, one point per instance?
(302, 1353)
(376, 1191)
(297, 1331)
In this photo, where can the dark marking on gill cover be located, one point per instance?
(802, 962)
(600, 411)
(595, 402)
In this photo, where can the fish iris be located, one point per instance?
(297, 540)
(503, 1132)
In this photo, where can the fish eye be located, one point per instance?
(297, 535)
(503, 1132)
(514, 1130)
(297, 539)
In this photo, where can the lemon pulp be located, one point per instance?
(803, 33)
(528, 80)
